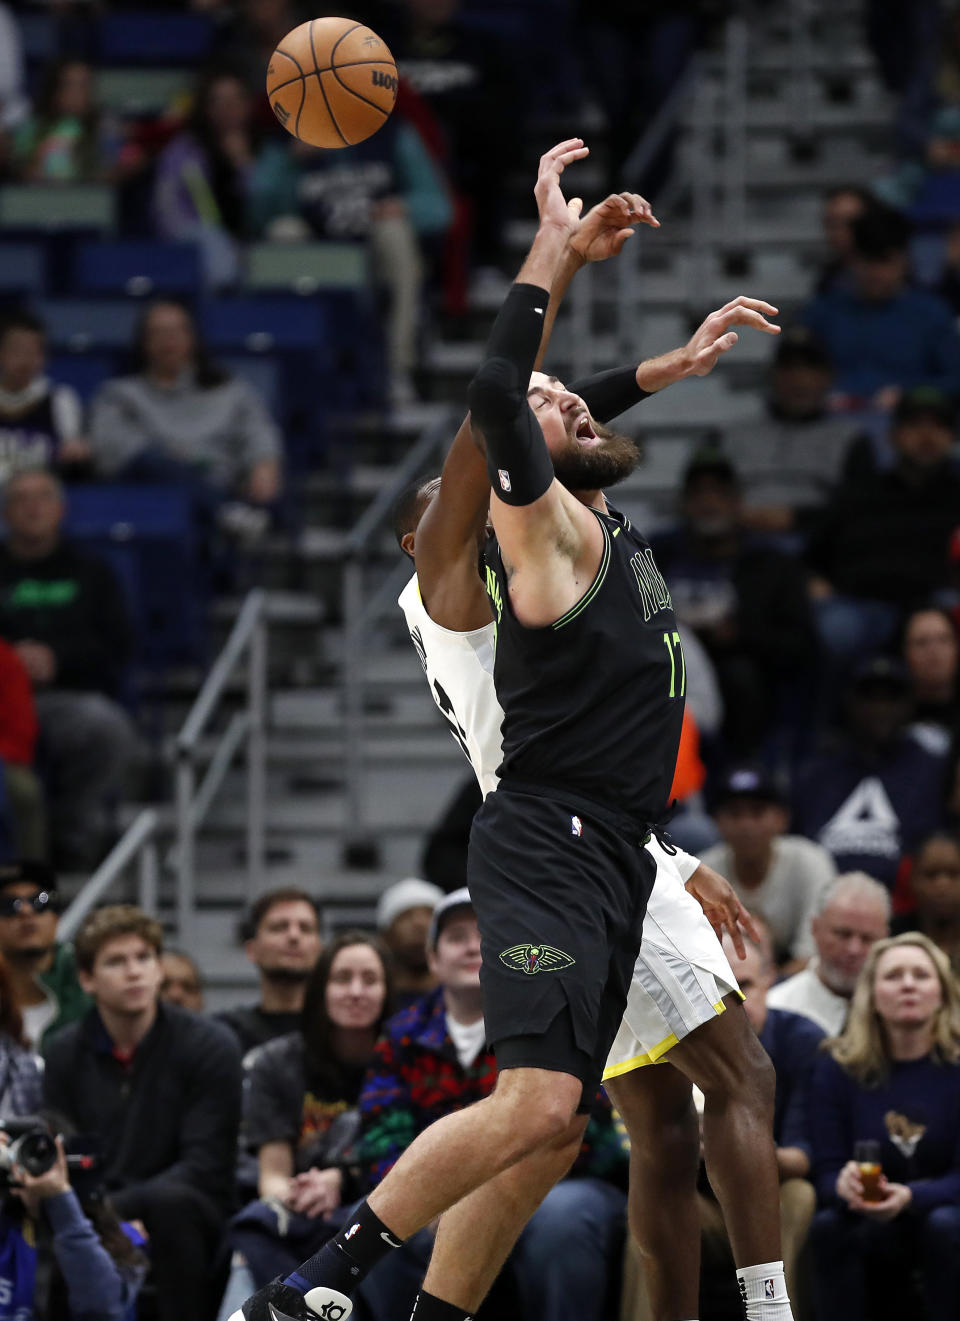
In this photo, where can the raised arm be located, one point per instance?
(449, 533)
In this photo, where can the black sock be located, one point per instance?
(342, 1263)
(430, 1308)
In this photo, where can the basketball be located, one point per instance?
(332, 82)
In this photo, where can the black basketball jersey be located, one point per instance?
(593, 703)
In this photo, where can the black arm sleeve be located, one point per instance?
(608, 394)
(518, 462)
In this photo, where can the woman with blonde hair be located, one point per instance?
(892, 1079)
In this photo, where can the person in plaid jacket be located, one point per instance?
(433, 1058)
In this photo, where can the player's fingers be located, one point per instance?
(577, 154)
(575, 206)
(641, 209)
(620, 239)
(746, 316)
(743, 300)
(559, 148)
(735, 933)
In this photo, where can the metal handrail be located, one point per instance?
(248, 638)
(138, 842)
(361, 610)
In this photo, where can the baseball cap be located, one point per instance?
(881, 671)
(450, 903)
(28, 872)
(747, 782)
(404, 895)
(925, 401)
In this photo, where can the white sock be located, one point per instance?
(764, 1292)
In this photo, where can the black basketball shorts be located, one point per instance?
(560, 895)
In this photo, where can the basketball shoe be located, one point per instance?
(277, 1301)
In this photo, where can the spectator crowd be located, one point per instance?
(813, 558)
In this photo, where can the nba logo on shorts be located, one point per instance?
(576, 826)
(504, 478)
(768, 1289)
(351, 1231)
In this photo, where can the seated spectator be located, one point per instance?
(386, 192)
(854, 914)
(883, 336)
(746, 603)
(159, 1090)
(182, 420)
(42, 970)
(935, 889)
(300, 1115)
(790, 462)
(21, 1072)
(23, 817)
(247, 41)
(781, 876)
(65, 615)
(41, 423)
(931, 654)
(841, 207)
(432, 1060)
(182, 981)
(873, 793)
(792, 1042)
(67, 139)
(65, 1253)
(404, 913)
(881, 545)
(893, 1078)
(281, 938)
(204, 175)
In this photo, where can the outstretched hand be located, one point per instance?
(721, 907)
(716, 335)
(606, 227)
(551, 204)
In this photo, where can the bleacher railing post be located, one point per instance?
(186, 839)
(257, 756)
(147, 874)
(352, 671)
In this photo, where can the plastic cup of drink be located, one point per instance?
(867, 1156)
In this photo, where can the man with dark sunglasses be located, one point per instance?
(42, 971)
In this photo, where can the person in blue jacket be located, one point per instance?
(892, 1077)
(63, 1258)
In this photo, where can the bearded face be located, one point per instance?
(592, 466)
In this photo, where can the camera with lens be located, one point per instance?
(31, 1146)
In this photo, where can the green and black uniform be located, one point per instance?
(593, 706)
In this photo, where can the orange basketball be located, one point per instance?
(332, 82)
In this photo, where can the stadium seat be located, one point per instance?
(85, 372)
(261, 325)
(90, 325)
(260, 372)
(31, 206)
(305, 268)
(154, 529)
(130, 92)
(23, 269)
(154, 38)
(137, 267)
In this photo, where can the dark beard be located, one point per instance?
(592, 468)
(287, 975)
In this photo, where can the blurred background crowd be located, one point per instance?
(218, 352)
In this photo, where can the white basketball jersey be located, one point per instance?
(459, 670)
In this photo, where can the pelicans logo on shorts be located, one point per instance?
(531, 959)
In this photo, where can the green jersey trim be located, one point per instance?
(597, 582)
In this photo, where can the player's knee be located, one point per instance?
(535, 1117)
